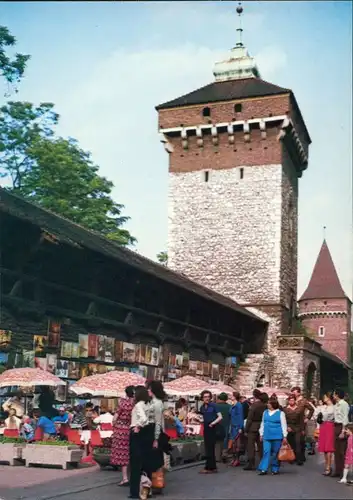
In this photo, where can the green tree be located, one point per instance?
(162, 258)
(55, 172)
(11, 68)
(21, 125)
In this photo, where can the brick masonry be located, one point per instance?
(335, 317)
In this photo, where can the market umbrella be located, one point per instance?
(111, 384)
(29, 377)
(280, 393)
(219, 388)
(186, 386)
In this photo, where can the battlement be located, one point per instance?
(256, 141)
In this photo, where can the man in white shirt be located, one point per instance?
(341, 410)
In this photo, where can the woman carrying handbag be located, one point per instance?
(273, 433)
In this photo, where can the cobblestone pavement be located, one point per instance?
(293, 483)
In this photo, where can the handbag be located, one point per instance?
(320, 418)
(286, 454)
(145, 486)
(158, 479)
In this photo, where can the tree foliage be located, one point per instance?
(162, 258)
(11, 68)
(55, 172)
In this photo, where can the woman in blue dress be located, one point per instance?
(273, 432)
(236, 428)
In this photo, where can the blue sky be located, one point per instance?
(106, 65)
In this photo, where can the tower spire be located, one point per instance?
(240, 64)
(239, 29)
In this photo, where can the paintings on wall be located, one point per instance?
(103, 352)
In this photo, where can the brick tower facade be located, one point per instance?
(237, 148)
(324, 308)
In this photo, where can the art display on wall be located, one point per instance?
(97, 354)
(54, 328)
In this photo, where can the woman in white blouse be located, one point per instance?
(138, 439)
(156, 419)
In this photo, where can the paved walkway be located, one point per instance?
(293, 483)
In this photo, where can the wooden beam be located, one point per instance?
(97, 300)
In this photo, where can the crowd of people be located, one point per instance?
(233, 429)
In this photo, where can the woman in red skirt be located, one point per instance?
(326, 419)
(121, 434)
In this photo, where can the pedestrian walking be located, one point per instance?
(252, 427)
(341, 420)
(211, 418)
(348, 462)
(326, 420)
(273, 432)
(121, 434)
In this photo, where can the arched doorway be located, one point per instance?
(310, 379)
(261, 381)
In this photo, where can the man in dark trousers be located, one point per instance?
(307, 412)
(252, 427)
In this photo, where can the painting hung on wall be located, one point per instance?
(5, 337)
(148, 355)
(66, 349)
(109, 350)
(84, 370)
(74, 370)
(60, 393)
(142, 354)
(119, 349)
(28, 359)
(102, 369)
(92, 345)
(155, 356)
(83, 345)
(215, 372)
(75, 350)
(92, 369)
(51, 362)
(54, 328)
(179, 360)
(129, 352)
(62, 368)
(186, 359)
(142, 370)
(40, 363)
(39, 343)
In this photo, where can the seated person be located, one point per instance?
(62, 417)
(46, 425)
(12, 422)
(27, 429)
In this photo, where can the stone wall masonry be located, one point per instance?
(223, 112)
(257, 151)
(225, 233)
(289, 234)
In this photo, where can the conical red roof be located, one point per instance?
(324, 282)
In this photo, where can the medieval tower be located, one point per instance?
(237, 148)
(325, 309)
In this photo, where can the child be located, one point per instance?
(348, 462)
(27, 431)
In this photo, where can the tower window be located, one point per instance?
(238, 108)
(321, 331)
(206, 175)
(206, 112)
(241, 173)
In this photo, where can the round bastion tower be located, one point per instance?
(237, 148)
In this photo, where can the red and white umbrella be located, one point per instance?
(111, 384)
(218, 388)
(29, 377)
(280, 393)
(186, 386)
